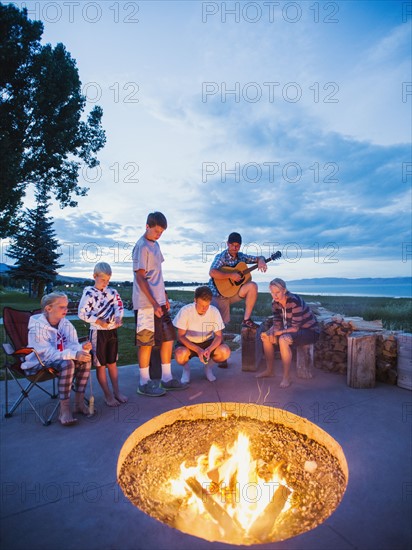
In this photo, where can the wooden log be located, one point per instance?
(263, 525)
(404, 365)
(361, 360)
(304, 361)
(232, 529)
(252, 349)
(359, 324)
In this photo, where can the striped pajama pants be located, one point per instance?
(72, 374)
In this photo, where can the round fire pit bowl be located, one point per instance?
(298, 473)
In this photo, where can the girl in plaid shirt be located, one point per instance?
(294, 324)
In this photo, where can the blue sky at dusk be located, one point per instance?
(289, 122)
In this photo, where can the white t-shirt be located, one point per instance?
(199, 328)
(148, 256)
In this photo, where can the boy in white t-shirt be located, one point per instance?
(200, 327)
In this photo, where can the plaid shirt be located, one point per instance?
(225, 259)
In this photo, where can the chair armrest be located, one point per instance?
(27, 351)
(24, 351)
(8, 348)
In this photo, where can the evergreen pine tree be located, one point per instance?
(35, 249)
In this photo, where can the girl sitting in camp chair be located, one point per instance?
(55, 340)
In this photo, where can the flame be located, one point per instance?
(239, 494)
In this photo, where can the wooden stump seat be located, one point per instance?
(252, 353)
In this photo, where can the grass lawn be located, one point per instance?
(395, 313)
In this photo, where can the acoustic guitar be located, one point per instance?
(228, 287)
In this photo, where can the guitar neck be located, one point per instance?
(249, 269)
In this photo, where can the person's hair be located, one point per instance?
(280, 283)
(204, 293)
(49, 299)
(102, 268)
(156, 218)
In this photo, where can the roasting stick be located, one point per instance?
(91, 397)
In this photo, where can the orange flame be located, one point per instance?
(233, 490)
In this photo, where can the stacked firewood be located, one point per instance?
(331, 350)
(386, 357)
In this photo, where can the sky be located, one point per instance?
(288, 122)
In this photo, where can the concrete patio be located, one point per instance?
(59, 490)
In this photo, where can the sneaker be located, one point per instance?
(248, 323)
(222, 365)
(173, 384)
(152, 389)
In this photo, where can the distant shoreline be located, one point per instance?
(323, 295)
(368, 288)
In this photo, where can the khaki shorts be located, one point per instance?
(223, 305)
(152, 330)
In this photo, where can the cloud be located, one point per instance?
(292, 133)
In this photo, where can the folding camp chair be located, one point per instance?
(16, 324)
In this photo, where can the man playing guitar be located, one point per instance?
(247, 291)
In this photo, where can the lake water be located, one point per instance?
(383, 289)
(388, 290)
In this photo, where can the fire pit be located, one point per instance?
(233, 472)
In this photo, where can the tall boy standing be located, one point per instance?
(102, 307)
(153, 323)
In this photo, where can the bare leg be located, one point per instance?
(102, 379)
(65, 415)
(79, 404)
(249, 292)
(144, 354)
(286, 355)
(269, 352)
(114, 378)
(221, 353)
(166, 350)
